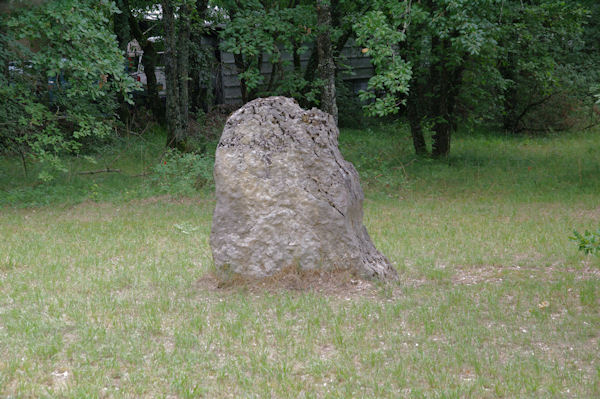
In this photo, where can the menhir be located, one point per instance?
(286, 197)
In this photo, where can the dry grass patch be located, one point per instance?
(337, 284)
(167, 198)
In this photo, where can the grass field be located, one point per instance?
(105, 287)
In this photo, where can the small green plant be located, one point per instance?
(94, 192)
(201, 117)
(183, 173)
(588, 242)
(185, 228)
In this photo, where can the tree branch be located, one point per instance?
(93, 172)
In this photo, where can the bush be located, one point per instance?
(62, 72)
(350, 109)
(183, 173)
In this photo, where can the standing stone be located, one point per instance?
(286, 197)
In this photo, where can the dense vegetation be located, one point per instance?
(521, 66)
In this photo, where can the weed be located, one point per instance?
(588, 242)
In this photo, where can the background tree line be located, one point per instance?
(519, 65)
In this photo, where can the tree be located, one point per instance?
(326, 59)
(256, 32)
(424, 46)
(203, 60)
(122, 31)
(58, 93)
(539, 46)
(591, 49)
(177, 38)
(343, 15)
(268, 38)
(180, 19)
(131, 24)
(441, 60)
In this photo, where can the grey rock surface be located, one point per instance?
(286, 197)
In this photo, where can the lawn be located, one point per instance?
(106, 287)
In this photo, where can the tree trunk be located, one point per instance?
(440, 147)
(4, 70)
(313, 63)
(121, 29)
(295, 46)
(174, 134)
(415, 116)
(200, 85)
(296, 56)
(326, 61)
(442, 88)
(149, 61)
(183, 57)
(239, 64)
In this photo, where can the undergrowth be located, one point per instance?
(482, 163)
(131, 167)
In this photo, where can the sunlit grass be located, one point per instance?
(103, 299)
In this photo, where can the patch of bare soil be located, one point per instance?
(586, 272)
(345, 285)
(496, 274)
(339, 283)
(589, 214)
(90, 211)
(471, 276)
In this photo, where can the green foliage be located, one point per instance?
(259, 30)
(588, 242)
(546, 70)
(268, 38)
(420, 51)
(526, 65)
(131, 155)
(183, 173)
(380, 33)
(294, 85)
(591, 50)
(58, 96)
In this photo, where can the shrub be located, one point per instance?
(183, 173)
(60, 98)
